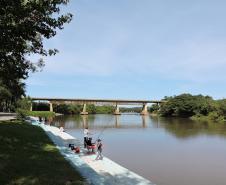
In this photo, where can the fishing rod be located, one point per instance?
(102, 131)
(104, 128)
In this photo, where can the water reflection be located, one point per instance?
(117, 124)
(178, 127)
(185, 128)
(144, 120)
(84, 121)
(99, 121)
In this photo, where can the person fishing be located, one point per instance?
(99, 150)
(86, 136)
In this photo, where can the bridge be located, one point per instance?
(84, 102)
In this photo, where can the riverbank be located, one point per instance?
(27, 156)
(97, 172)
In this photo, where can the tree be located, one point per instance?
(187, 105)
(154, 108)
(91, 109)
(23, 26)
(24, 104)
(221, 107)
(5, 97)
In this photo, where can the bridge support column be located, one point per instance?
(117, 112)
(144, 109)
(84, 110)
(50, 107)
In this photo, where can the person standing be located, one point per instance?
(86, 136)
(61, 129)
(99, 150)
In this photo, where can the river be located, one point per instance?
(168, 151)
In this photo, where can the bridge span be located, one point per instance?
(84, 102)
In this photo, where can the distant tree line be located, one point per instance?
(195, 106)
(131, 109)
(90, 108)
(73, 108)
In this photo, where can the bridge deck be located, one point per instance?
(98, 100)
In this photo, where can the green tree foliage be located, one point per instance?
(198, 107)
(221, 107)
(105, 109)
(187, 105)
(77, 109)
(91, 109)
(9, 94)
(154, 108)
(24, 103)
(23, 26)
(23, 107)
(67, 109)
(131, 109)
(5, 97)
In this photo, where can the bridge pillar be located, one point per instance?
(144, 109)
(84, 112)
(50, 107)
(117, 112)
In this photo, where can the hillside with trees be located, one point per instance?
(197, 107)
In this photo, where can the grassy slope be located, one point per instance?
(27, 156)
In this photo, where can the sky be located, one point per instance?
(136, 49)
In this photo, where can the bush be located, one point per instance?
(22, 114)
(24, 103)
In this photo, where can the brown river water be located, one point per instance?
(167, 151)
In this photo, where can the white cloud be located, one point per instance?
(199, 61)
(102, 42)
(194, 60)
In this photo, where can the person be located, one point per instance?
(61, 129)
(89, 141)
(99, 150)
(39, 119)
(86, 136)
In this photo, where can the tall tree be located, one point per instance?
(23, 26)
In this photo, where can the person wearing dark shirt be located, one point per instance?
(99, 150)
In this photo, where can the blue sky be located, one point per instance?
(137, 49)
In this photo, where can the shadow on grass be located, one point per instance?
(28, 157)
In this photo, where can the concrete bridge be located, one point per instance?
(84, 102)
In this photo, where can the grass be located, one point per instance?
(42, 114)
(28, 157)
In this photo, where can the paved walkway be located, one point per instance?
(97, 172)
(7, 116)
